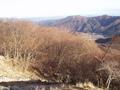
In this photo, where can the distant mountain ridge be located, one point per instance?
(102, 25)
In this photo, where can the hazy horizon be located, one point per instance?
(57, 8)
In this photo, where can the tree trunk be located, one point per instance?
(109, 82)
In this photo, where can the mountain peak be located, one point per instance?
(103, 25)
(77, 17)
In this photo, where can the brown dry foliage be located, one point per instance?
(54, 54)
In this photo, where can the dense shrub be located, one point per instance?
(54, 54)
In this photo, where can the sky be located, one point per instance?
(54, 8)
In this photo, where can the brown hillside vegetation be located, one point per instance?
(116, 42)
(49, 53)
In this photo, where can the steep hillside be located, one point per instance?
(104, 25)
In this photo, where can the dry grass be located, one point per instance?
(12, 70)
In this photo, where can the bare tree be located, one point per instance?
(112, 69)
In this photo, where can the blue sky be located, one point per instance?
(53, 8)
